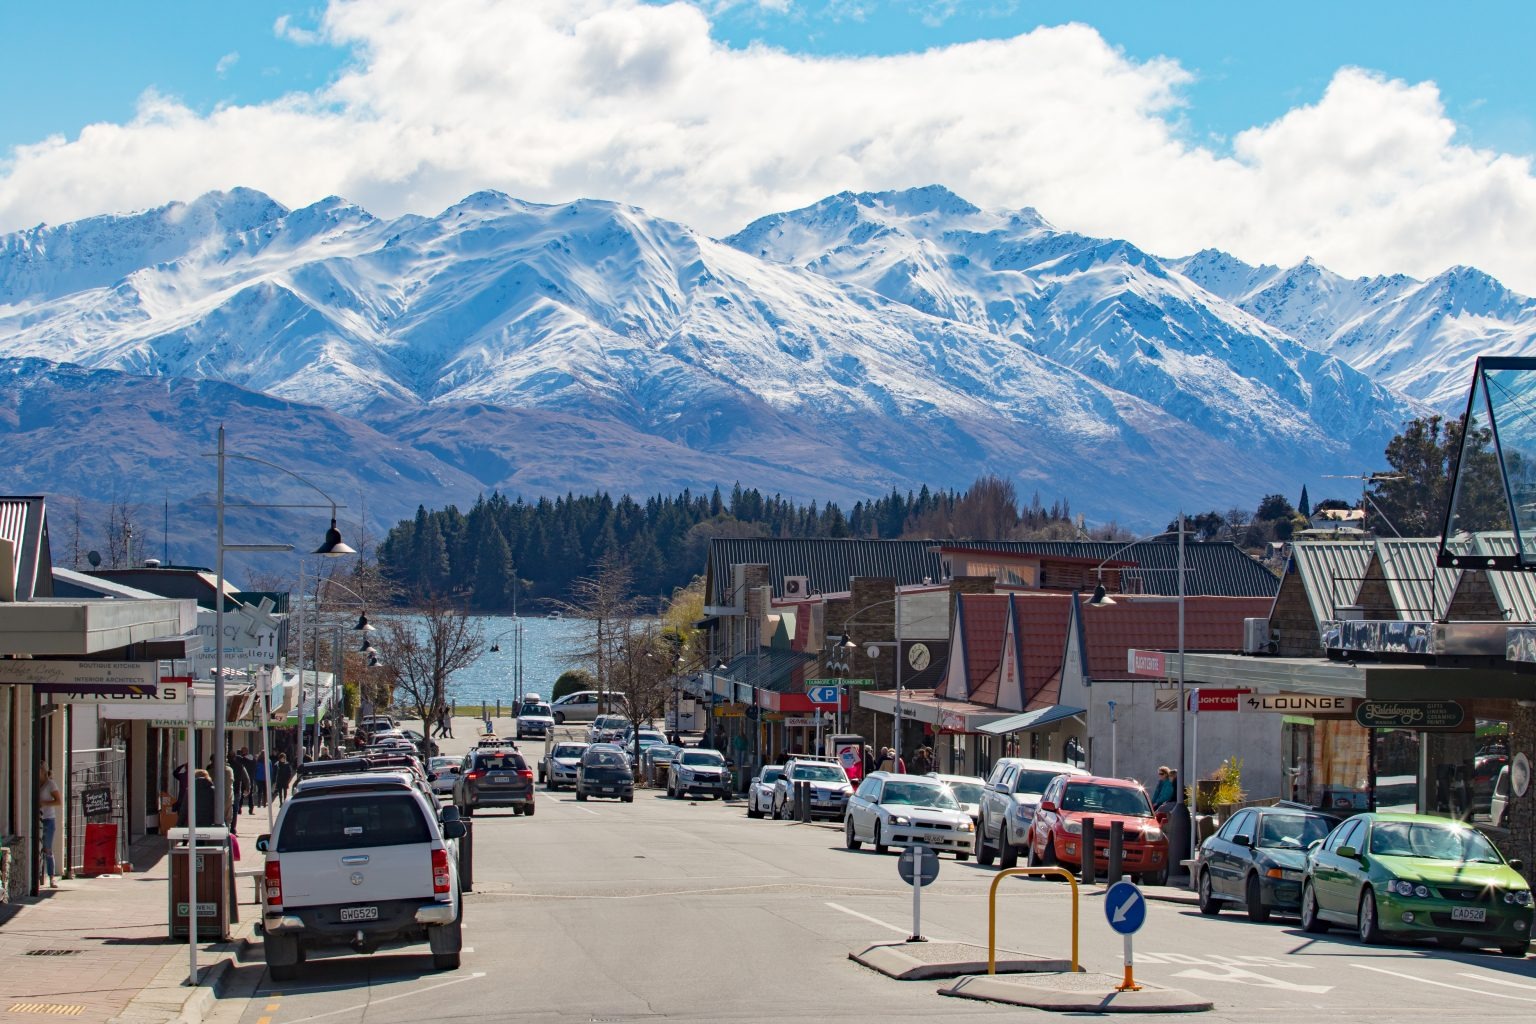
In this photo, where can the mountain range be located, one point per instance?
(869, 341)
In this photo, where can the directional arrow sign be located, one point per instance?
(822, 694)
(1125, 908)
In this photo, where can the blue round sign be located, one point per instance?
(1125, 907)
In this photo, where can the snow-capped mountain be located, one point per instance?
(1419, 338)
(863, 343)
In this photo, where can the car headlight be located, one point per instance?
(969, 826)
(1151, 833)
(1403, 887)
(1519, 897)
(1022, 811)
(1072, 828)
(897, 819)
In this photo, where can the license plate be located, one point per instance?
(498, 779)
(1477, 914)
(359, 913)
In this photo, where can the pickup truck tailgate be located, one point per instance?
(360, 848)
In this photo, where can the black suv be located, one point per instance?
(604, 771)
(494, 777)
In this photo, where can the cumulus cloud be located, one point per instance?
(226, 62)
(556, 99)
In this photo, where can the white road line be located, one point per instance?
(1442, 984)
(871, 920)
(1497, 981)
(389, 999)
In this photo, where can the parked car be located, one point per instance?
(967, 790)
(658, 756)
(604, 771)
(830, 788)
(1256, 860)
(1498, 805)
(582, 706)
(559, 764)
(1056, 833)
(1008, 803)
(903, 810)
(607, 729)
(443, 774)
(535, 720)
(760, 792)
(314, 895)
(494, 777)
(1416, 876)
(698, 771)
(366, 727)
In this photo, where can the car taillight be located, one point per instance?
(474, 775)
(526, 773)
(274, 879)
(439, 871)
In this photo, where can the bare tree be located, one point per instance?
(603, 599)
(122, 530)
(425, 647)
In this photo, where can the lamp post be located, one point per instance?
(338, 656)
(873, 650)
(332, 547)
(1101, 598)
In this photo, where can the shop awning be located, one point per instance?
(1036, 719)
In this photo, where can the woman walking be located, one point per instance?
(48, 801)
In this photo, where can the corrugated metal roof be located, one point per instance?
(1419, 590)
(772, 669)
(23, 522)
(1216, 568)
(1515, 591)
(828, 564)
(1331, 571)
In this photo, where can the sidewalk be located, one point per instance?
(97, 949)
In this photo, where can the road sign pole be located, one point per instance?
(919, 856)
(1129, 982)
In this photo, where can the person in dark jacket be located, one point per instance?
(282, 777)
(204, 783)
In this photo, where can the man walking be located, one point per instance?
(245, 791)
(282, 775)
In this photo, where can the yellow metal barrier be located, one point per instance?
(992, 909)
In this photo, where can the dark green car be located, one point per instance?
(1415, 876)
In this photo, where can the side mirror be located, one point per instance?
(263, 841)
(1242, 839)
(449, 813)
(453, 829)
(1314, 844)
(1047, 805)
(1347, 852)
(1517, 864)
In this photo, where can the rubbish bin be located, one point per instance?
(214, 880)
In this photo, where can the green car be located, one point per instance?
(1416, 876)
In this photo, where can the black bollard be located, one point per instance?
(467, 857)
(1116, 849)
(1090, 869)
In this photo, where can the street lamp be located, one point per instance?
(1101, 598)
(874, 651)
(332, 547)
(337, 686)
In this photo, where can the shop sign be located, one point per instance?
(950, 722)
(730, 711)
(84, 675)
(1147, 663)
(96, 801)
(800, 722)
(1410, 714)
(164, 693)
(1296, 703)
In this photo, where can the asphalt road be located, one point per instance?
(687, 910)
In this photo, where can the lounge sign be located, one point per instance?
(1410, 714)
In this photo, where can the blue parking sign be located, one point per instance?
(822, 694)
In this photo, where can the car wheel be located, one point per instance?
(1311, 919)
(283, 956)
(1210, 906)
(879, 846)
(984, 854)
(446, 941)
(849, 840)
(1369, 927)
(753, 812)
(628, 799)
(962, 856)
(529, 809)
(559, 717)
(1158, 877)
(1007, 853)
(1257, 911)
(1519, 949)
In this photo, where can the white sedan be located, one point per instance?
(443, 772)
(905, 810)
(760, 794)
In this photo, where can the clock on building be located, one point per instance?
(918, 656)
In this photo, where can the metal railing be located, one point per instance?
(992, 909)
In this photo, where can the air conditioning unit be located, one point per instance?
(797, 586)
(1257, 638)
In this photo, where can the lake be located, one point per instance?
(547, 647)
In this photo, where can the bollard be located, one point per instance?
(1090, 847)
(803, 801)
(1116, 849)
(467, 857)
(498, 707)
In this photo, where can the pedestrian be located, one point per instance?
(869, 760)
(282, 775)
(231, 809)
(922, 761)
(245, 791)
(447, 722)
(259, 775)
(1162, 793)
(889, 762)
(49, 800)
(204, 783)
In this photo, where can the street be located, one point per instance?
(688, 910)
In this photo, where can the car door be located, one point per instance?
(1215, 851)
(1227, 864)
(1328, 873)
(997, 796)
(1045, 820)
(868, 798)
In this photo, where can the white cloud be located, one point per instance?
(226, 62)
(555, 99)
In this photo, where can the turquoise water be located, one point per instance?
(547, 647)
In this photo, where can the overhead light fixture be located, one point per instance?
(367, 645)
(1100, 597)
(363, 625)
(334, 546)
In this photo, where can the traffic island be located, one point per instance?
(926, 961)
(1076, 993)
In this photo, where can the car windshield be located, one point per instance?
(661, 752)
(703, 757)
(604, 759)
(444, 762)
(1106, 799)
(1034, 781)
(772, 774)
(499, 762)
(919, 794)
(354, 822)
(820, 773)
(966, 792)
(536, 709)
(1432, 842)
(568, 750)
(1292, 831)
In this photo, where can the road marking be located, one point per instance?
(871, 920)
(1497, 981)
(844, 890)
(389, 999)
(1443, 984)
(1241, 976)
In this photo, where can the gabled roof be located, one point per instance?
(1419, 590)
(1331, 571)
(1215, 567)
(828, 564)
(1515, 591)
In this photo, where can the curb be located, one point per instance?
(1103, 999)
(893, 960)
(168, 999)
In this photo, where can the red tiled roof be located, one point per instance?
(1210, 624)
(984, 618)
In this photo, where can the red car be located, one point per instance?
(1056, 833)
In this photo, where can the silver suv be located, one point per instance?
(362, 861)
(1008, 805)
(830, 788)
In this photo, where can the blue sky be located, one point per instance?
(1252, 61)
(1372, 137)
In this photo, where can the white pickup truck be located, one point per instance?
(360, 860)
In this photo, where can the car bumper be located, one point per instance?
(606, 789)
(718, 786)
(1134, 857)
(1281, 893)
(484, 799)
(1503, 923)
(398, 922)
(938, 839)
